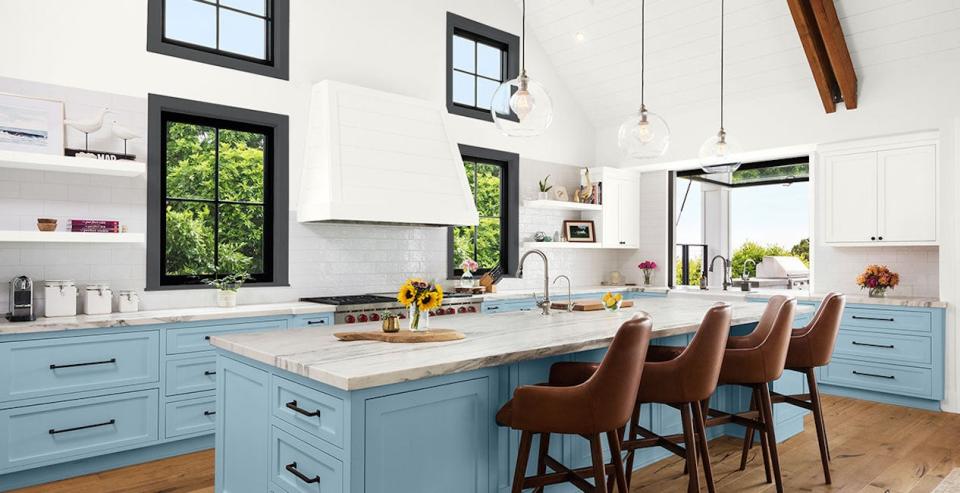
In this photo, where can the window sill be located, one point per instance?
(186, 287)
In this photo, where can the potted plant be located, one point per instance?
(421, 297)
(877, 279)
(544, 188)
(391, 321)
(468, 266)
(648, 267)
(227, 287)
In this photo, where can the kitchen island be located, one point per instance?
(299, 411)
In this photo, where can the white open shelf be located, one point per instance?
(69, 237)
(69, 164)
(559, 204)
(573, 245)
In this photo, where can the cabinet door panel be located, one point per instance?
(630, 213)
(610, 226)
(852, 191)
(908, 194)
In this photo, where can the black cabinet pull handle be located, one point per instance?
(78, 428)
(292, 405)
(873, 238)
(209, 413)
(884, 346)
(874, 375)
(210, 372)
(880, 238)
(91, 363)
(493, 308)
(877, 319)
(292, 469)
(206, 338)
(316, 322)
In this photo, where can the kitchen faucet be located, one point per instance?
(745, 275)
(726, 270)
(545, 303)
(569, 293)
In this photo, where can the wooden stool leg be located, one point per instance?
(701, 431)
(523, 455)
(748, 435)
(768, 422)
(600, 484)
(632, 434)
(542, 458)
(818, 421)
(613, 439)
(690, 445)
(764, 442)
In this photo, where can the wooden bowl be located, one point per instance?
(47, 224)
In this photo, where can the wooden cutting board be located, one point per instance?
(587, 305)
(404, 336)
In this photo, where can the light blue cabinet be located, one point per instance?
(313, 411)
(192, 374)
(301, 468)
(244, 390)
(190, 417)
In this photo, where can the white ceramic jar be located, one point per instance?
(60, 298)
(128, 301)
(97, 299)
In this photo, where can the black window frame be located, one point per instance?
(276, 65)
(482, 33)
(509, 208)
(162, 109)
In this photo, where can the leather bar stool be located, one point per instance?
(600, 405)
(810, 347)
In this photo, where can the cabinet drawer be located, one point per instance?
(903, 380)
(310, 410)
(74, 364)
(193, 339)
(191, 375)
(301, 468)
(890, 348)
(190, 416)
(56, 432)
(899, 320)
(316, 320)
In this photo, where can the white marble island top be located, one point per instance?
(492, 340)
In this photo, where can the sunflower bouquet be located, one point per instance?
(421, 297)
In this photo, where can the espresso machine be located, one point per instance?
(21, 300)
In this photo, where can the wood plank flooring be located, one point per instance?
(876, 449)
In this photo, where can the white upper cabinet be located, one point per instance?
(882, 194)
(620, 226)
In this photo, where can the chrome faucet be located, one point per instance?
(726, 270)
(545, 303)
(745, 275)
(569, 292)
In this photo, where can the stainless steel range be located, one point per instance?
(369, 307)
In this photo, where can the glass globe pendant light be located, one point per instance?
(644, 135)
(521, 107)
(720, 153)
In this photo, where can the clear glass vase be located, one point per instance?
(878, 292)
(648, 277)
(466, 280)
(419, 320)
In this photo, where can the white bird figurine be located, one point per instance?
(88, 126)
(124, 133)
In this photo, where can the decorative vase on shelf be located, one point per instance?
(226, 298)
(419, 320)
(877, 292)
(648, 277)
(466, 280)
(543, 196)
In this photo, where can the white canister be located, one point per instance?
(60, 298)
(128, 301)
(97, 299)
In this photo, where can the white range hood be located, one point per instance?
(378, 157)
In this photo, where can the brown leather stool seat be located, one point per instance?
(598, 405)
(810, 347)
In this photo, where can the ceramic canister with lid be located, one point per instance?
(97, 299)
(60, 298)
(128, 301)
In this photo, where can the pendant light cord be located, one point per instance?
(643, 48)
(523, 38)
(722, 10)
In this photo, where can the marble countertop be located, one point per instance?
(557, 292)
(151, 317)
(492, 340)
(803, 295)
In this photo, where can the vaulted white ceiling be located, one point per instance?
(763, 51)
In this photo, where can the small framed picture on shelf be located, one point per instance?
(31, 125)
(579, 231)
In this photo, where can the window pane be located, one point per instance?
(190, 160)
(488, 243)
(241, 166)
(463, 88)
(462, 244)
(489, 61)
(485, 90)
(258, 7)
(243, 34)
(463, 54)
(191, 21)
(241, 239)
(468, 169)
(488, 190)
(189, 239)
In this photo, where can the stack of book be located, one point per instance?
(94, 226)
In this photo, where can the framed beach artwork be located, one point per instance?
(31, 125)
(579, 231)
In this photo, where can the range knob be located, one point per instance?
(362, 317)
(349, 319)
(462, 309)
(374, 317)
(472, 309)
(437, 312)
(451, 311)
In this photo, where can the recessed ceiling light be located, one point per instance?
(579, 36)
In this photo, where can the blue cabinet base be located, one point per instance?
(884, 398)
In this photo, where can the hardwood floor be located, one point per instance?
(875, 448)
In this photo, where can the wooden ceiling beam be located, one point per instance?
(816, 51)
(831, 31)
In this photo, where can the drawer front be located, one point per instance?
(890, 348)
(61, 431)
(74, 364)
(193, 339)
(898, 320)
(191, 375)
(191, 416)
(301, 468)
(315, 412)
(316, 320)
(903, 380)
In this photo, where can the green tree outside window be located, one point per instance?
(482, 243)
